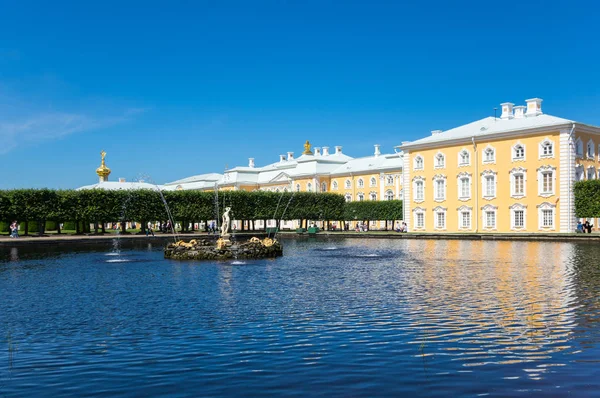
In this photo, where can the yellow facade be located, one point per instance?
(368, 186)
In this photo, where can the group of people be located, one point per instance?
(585, 227)
(401, 228)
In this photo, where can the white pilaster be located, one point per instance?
(406, 204)
(381, 186)
(567, 220)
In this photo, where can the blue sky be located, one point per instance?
(173, 89)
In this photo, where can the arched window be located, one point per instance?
(489, 155)
(440, 160)
(546, 149)
(297, 187)
(361, 183)
(360, 197)
(591, 173)
(323, 187)
(334, 185)
(590, 149)
(285, 189)
(277, 190)
(373, 196)
(348, 184)
(519, 152)
(389, 195)
(419, 190)
(389, 180)
(309, 187)
(348, 197)
(418, 163)
(373, 182)
(579, 147)
(464, 158)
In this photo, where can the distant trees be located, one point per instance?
(79, 209)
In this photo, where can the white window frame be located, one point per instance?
(308, 187)
(439, 161)
(348, 184)
(484, 212)
(546, 207)
(513, 210)
(587, 173)
(485, 175)
(323, 187)
(485, 151)
(546, 142)
(436, 213)
(297, 187)
(465, 210)
(416, 212)
(419, 163)
(460, 177)
(373, 182)
(461, 161)
(401, 194)
(579, 173)
(389, 181)
(579, 148)
(518, 171)
(416, 198)
(540, 174)
(437, 179)
(373, 196)
(360, 197)
(389, 195)
(348, 198)
(361, 183)
(590, 145)
(334, 185)
(514, 149)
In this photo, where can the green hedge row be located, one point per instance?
(76, 209)
(587, 198)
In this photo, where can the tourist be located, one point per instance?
(579, 227)
(149, 230)
(398, 227)
(404, 227)
(587, 227)
(14, 229)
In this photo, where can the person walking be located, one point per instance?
(149, 230)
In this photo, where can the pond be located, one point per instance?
(333, 317)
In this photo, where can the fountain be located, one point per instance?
(224, 249)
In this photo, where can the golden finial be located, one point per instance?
(307, 150)
(103, 171)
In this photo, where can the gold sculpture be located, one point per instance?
(103, 171)
(307, 150)
(254, 239)
(268, 242)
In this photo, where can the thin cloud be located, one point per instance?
(54, 125)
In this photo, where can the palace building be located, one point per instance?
(514, 173)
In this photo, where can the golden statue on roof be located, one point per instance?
(103, 171)
(307, 150)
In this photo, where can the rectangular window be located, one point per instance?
(519, 218)
(465, 219)
(519, 182)
(441, 220)
(439, 192)
(547, 182)
(490, 186)
(419, 190)
(465, 191)
(547, 218)
(490, 219)
(420, 220)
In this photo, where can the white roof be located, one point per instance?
(374, 164)
(198, 178)
(115, 185)
(491, 126)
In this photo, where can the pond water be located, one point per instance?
(331, 318)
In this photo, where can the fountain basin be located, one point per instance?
(204, 249)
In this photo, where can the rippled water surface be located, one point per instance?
(331, 318)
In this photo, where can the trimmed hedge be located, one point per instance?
(587, 198)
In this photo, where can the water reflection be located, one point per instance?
(336, 317)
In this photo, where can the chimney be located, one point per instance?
(534, 107)
(338, 150)
(250, 162)
(121, 179)
(282, 158)
(325, 151)
(377, 151)
(436, 132)
(507, 110)
(317, 151)
(520, 111)
(290, 155)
